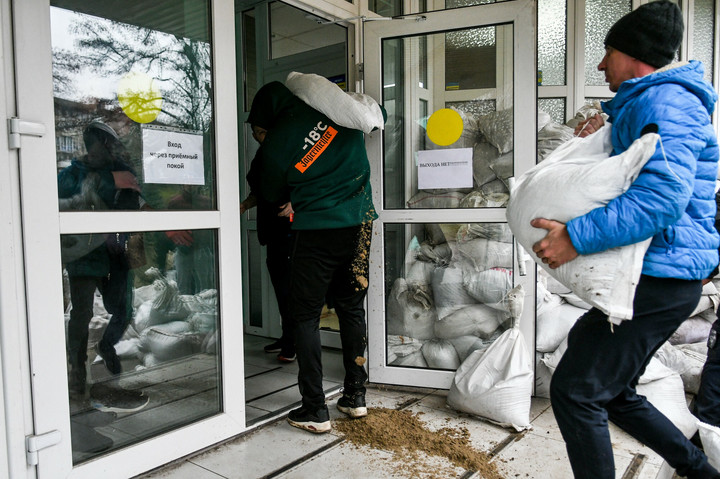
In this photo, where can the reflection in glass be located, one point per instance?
(114, 70)
(600, 15)
(449, 290)
(142, 336)
(480, 95)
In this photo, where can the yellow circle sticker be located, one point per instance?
(139, 98)
(444, 127)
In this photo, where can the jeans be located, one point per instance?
(707, 400)
(329, 262)
(596, 378)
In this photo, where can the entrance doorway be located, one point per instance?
(273, 40)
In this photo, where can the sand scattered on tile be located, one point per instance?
(415, 447)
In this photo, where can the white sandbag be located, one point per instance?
(496, 384)
(699, 348)
(551, 284)
(489, 286)
(710, 439)
(492, 231)
(484, 154)
(440, 354)
(551, 360)
(464, 345)
(401, 346)
(477, 319)
(127, 348)
(439, 254)
(553, 325)
(497, 127)
(203, 322)
(495, 186)
(430, 199)
(414, 360)
(692, 330)
(485, 254)
(494, 288)
(504, 166)
(576, 178)
(145, 293)
(406, 316)
(687, 363)
(572, 298)
(449, 294)
(168, 343)
(348, 109)
(551, 137)
(209, 343)
(668, 396)
(543, 376)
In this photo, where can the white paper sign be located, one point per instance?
(451, 168)
(172, 157)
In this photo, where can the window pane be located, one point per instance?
(142, 336)
(555, 107)
(479, 127)
(134, 100)
(552, 44)
(600, 15)
(703, 35)
(449, 291)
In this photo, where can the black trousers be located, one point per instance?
(707, 400)
(116, 292)
(278, 265)
(596, 379)
(334, 262)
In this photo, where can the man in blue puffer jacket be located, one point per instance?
(672, 201)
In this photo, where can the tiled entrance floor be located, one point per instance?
(277, 450)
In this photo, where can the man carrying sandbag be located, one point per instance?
(672, 202)
(325, 167)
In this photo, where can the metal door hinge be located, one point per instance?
(360, 71)
(33, 444)
(17, 127)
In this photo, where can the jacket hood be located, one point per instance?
(270, 102)
(689, 75)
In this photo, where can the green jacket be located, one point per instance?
(325, 165)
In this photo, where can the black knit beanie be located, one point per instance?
(652, 33)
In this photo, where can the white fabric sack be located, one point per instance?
(348, 109)
(464, 345)
(667, 394)
(686, 362)
(401, 346)
(496, 384)
(710, 438)
(449, 294)
(485, 254)
(692, 330)
(476, 320)
(406, 316)
(576, 178)
(553, 325)
(440, 354)
(489, 286)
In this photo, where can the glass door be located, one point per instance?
(131, 242)
(459, 87)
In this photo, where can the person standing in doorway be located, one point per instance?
(672, 202)
(273, 230)
(326, 169)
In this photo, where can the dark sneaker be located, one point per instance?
(110, 358)
(353, 405)
(275, 347)
(116, 399)
(286, 357)
(317, 421)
